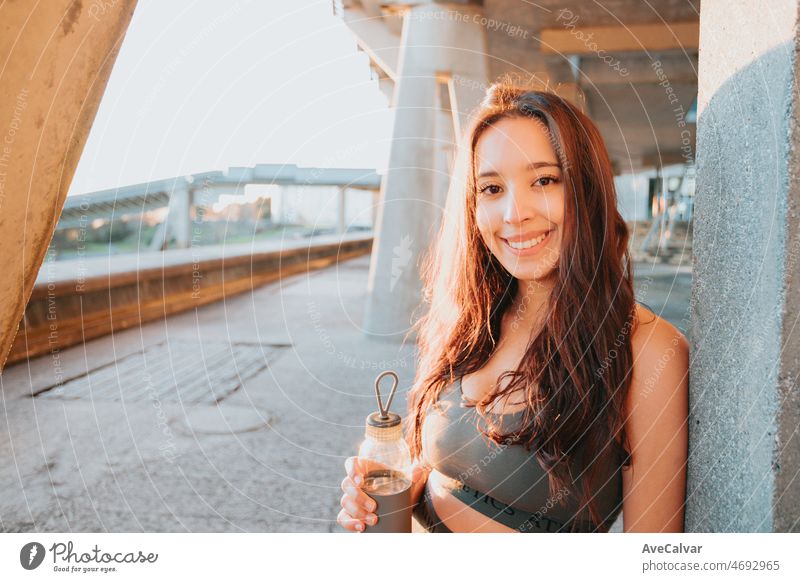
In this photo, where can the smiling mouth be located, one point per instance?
(533, 243)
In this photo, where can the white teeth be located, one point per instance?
(528, 243)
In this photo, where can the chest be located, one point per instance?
(507, 355)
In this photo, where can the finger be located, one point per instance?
(348, 522)
(348, 483)
(359, 467)
(354, 469)
(355, 510)
(358, 496)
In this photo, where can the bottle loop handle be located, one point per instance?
(385, 411)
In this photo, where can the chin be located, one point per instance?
(530, 273)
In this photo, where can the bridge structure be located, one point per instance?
(182, 194)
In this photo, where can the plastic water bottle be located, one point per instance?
(388, 481)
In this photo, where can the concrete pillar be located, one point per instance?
(57, 58)
(159, 237)
(376, 201)
(438, 41)
(444, 135)
(341, 210)
(745, 400)
(179, 219)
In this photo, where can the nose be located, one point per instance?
(518, 207)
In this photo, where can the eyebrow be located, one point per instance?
(531, 166)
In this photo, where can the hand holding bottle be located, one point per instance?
(357, 507)
(380, 490)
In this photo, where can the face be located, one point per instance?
(520, 197)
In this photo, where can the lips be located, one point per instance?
(530, 250)
(527, 236)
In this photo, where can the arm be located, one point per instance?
(656, 411)
(419, 477)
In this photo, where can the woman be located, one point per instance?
(546, 399)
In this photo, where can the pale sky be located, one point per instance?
(201, 86)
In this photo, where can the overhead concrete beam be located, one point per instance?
(375, 38)
(663, 158)
(639, 68)
(571, 38)
(57, 59)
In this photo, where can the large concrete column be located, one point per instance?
(439, 42)
(744, 465)
(57, 58)
(179, 219)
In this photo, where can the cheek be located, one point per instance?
(555, 209)
(483, 220)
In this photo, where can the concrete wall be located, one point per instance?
(745, 409)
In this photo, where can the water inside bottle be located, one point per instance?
(385, 482)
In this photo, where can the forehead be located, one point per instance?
(513, 142)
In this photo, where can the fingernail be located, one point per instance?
(360, 526)
(357, 480)
(371, 505)
(372, 519)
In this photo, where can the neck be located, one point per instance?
(531, 297)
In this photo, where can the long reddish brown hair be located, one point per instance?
(576, 371)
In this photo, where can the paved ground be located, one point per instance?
(268, 458)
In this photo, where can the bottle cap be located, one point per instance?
(384, 425)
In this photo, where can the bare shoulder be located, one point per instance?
(656, 419)
(660, 379)
(653, 337)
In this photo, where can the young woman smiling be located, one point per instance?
(546, 399)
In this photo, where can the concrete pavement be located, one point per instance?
(100, 456)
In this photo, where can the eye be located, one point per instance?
(550, 179)
(489, 187)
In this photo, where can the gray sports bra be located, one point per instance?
(504, 481)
